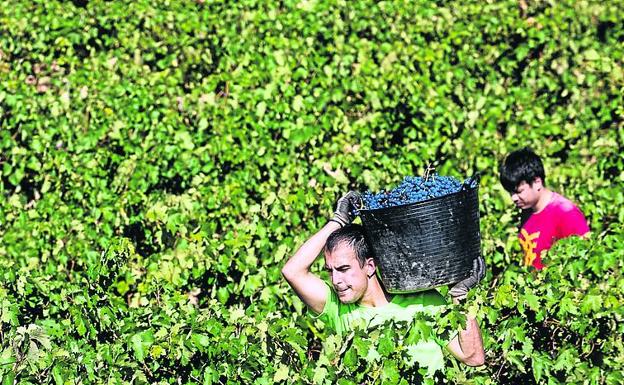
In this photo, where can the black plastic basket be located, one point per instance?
(423, 245)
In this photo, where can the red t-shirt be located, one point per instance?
(559, 219)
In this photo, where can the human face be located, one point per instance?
(527, 195)
(349, 279)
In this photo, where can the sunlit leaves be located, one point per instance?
(160, 161)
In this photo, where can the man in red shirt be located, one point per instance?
(546, 215)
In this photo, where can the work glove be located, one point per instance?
(461, 289)
(345, 208)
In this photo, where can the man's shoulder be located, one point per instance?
(425, 298)
(563, 204)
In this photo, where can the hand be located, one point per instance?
(461, 289)
(344, 208)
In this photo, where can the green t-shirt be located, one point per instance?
(344, 317)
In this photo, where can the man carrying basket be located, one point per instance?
(357, 295)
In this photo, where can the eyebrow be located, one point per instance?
(338, 267)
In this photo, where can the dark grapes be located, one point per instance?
(413, 189)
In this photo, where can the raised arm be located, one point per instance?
(308, 286)
(467, 346)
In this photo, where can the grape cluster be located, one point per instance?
(413, 189)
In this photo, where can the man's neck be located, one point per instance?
(544, 199)
(375, 295)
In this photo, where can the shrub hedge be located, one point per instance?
(161, 160)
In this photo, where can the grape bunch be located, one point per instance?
(413, 189)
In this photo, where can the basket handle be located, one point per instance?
(476, 178)
(359, 204)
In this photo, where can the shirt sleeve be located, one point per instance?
(573, 223)
(330, 310)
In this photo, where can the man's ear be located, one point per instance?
(538, 183)
(370, 267)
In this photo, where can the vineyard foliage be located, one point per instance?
(160, 160)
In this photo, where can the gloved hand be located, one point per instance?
(344, 208)
(461, 289)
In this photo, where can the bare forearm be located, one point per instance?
(471, 343)
(467, 346)
(305, 256)
(310, 288)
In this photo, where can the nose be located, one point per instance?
(335, 278)
(514, 197)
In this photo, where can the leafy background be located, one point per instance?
(161, 160)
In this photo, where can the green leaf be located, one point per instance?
(281, 374)
(56, 374)
(141, 342)
(592, 55)
(297, 103)
(201, 340)
(539, 365)
(350, 359)
(320, 373)
(390, 372)
(386, 345)
(532, 301)
(591, 303)
(9, 378)
(372, 355)
(261, 109)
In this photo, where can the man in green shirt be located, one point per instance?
(357, 296)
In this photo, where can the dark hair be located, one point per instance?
(353, 236)
(522, 165)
